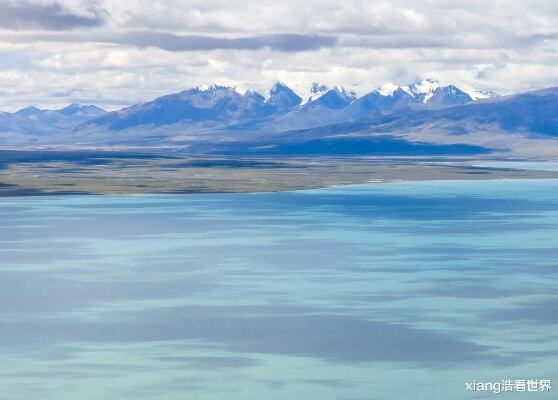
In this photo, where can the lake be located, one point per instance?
(368, 292)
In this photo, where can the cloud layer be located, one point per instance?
(117, 53)
(47, 16)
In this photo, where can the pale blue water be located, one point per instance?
(375, 292)
(528, 165)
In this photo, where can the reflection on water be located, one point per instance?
(396, 291)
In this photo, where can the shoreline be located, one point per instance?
(43, 194)
(40, 175)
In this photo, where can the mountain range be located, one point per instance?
(426, 117)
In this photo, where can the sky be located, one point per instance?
(117, 53)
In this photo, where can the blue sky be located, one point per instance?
(115, 53)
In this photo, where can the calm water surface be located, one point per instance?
(374, 292)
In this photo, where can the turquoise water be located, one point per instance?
(373, 292)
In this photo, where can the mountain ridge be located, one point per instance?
(219, 118)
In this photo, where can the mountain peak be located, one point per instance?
(279, 87)
(425, 88)
(209, 88)
(213, 90)
(318, 91)
(241, 90)
(29, 111)
(282, 98)
(332, 98)
(219, 90)
(346, 94)
(387, 89)
(82, 109)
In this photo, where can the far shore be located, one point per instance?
(104, 173)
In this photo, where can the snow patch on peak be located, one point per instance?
(240, 90)
(407, 89)
(348, 94)
(213, 88)
(318, 91)
(480, 94)
(387, 89)
(206, 88)
(426, 86)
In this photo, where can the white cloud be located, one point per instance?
(116, 53)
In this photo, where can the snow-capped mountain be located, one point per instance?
(425, 89)
(329, 97)
(432, 91)
(390, 98)
(387, 98)
(223, 105)
(421, 118)
(229, 109)
(428, 91)
(282, 99)
(205, 103)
